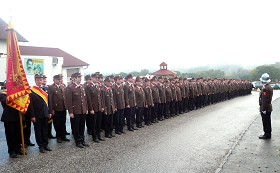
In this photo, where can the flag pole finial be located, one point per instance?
(10, 24)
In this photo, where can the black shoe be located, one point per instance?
(59, 140)
(108, 136)
(134, 128)
(13, 155)
(96, 140)
(122, 132)
(85, 144)
(29, 144)
(41, 149)
(112, 135)
(47, 148)
(139, 126)
(101, 139)
(80, 145)
(130, 129)
(264, 137)
(118, 133)
(65, 139)
(51, 137)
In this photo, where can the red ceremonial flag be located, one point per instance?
(18, 89)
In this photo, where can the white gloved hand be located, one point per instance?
(264, 112)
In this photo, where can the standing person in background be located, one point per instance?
(130, 102)
(109, 108)
(156, 99)
(56, 93)
(174, 97)
(89, 119)
(118, 93)
(162, 97)
(149, 99)
(179, 98)
(168, 94)
(45, 88)
(11, 120)
(77, 106)
(98, 106)
(40, 100)
(183, 94)
(140, 102)
(266, 106)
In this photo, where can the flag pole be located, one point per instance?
(22, 135)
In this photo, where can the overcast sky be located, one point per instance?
(117, 35)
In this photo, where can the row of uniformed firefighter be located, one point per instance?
(109, 104)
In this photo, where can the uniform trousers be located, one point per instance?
(147, 115)
(129, 114)
(97, 128)
(155, 112)
(118, 120)
(41, 131)
(91, 118)
(88, 124)
(160, 111)
(59, 123)
(139, 116)
(167, 110)
(108, 119)
(12, 132)
(27, 129)
(266, 120)
(78, 127)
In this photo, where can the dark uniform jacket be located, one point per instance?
(179, 94)
(129, 95)
(118, 93)
(40, 107)
(173, 90)
(155, 93)
(266, 98)
(140, 97)
(95, 97)
(149, 95)
(76, 101)
(57, 96)
(161, 90)
(183, 90)
(109, 101)
(168, 93)
(187, 90)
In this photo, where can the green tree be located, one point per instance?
(144, 72)
(273, 72)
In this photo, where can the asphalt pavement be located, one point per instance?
(256, 155)
(218, 138)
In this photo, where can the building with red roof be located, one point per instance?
(50, 61)
(163, 71)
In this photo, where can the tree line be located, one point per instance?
(253, 75)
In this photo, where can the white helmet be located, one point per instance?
(265, 78)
